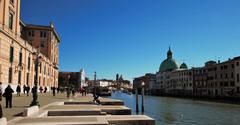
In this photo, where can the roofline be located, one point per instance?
(21, 22)
(51, 27)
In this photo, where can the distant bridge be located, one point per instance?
(120, 87)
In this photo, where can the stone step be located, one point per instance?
(61, 121)
(113, 110)
(74, 112)
(87, 120)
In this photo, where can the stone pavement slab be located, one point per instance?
(22, 102)
(61, 121)
(113, 110)
(87, 120)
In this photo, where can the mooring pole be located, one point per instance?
(143, 99)
(136, 93)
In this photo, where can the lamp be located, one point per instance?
(143, 84)
(37, 57)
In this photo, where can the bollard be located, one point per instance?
(136, 93)
(142, 99)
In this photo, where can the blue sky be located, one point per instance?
(131, 37)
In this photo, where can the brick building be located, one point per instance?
(219, 79)
(19, 43)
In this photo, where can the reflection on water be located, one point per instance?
(173, 111)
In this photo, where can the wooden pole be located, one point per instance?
(136, 93)
(142, 99)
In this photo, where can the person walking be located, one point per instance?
(73, 92)
(24, 89)
(45, 89)
(41, 89)
(8, 96)
(18, 90)
(54, 91)
(68, 92)
(58, 89)
(27, 90)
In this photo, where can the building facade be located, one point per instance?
(172, 79)
(219, 79)
(215, 79)
(149, 80)
(21, 45)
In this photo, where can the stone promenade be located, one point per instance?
(77, 110)
(22, 102)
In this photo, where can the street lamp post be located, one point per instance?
(69, 76)
(35, 88)
(94, 84)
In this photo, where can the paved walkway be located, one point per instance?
(19, 103)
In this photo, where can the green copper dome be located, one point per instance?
(183, 66)
(169, 63)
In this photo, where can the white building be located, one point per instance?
(82, 78)
(103, 83)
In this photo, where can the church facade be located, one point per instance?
(173, 79)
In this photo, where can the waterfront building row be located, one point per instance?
(20, 46)
(215, 79)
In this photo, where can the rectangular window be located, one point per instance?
(10, 75)
(29, 63)
(41, 34)
(31, 33)
(27, 78)
(11, 54)
(225, 67)
(43, 81)
(237, 63)
(221, 84)
(225, 83)
(19, 77)
(237, 77)
(232, 83)
(44, 34)
(40, 68)
(10, 21)
(39, 81)
(221, 67)
(20, 58)
(42, 44)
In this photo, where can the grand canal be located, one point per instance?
(174, 111)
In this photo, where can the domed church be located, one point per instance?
(169, 75)
(168, 64)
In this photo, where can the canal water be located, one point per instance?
(174, 111)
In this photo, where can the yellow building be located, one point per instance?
(19, 43)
